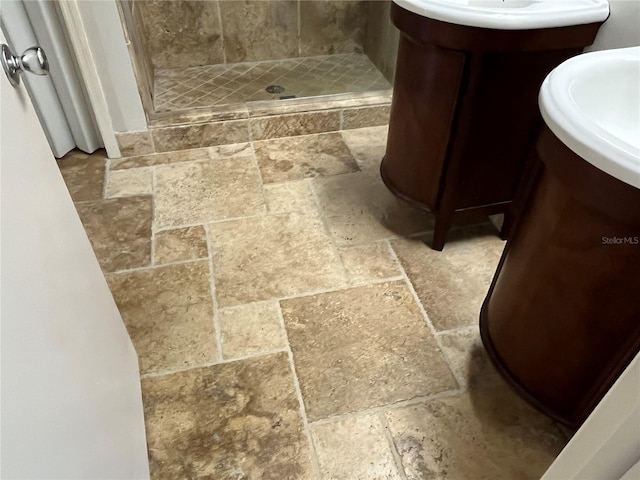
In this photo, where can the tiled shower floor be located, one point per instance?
(291, 323)
(213, 85)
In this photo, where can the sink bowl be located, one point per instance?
(592, 104)
(510, 14)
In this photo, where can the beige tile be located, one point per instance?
(354, 448)
(168, 312)
(468, 359)
(183, 137)
(263, 128)
(368, 145)
(159, 159)
(119, 230)
(305, 156)
(289, 197)
(328, 27)
(492, 434)
(358, 208)
(181, 34)
(124, 183)
(369, 262)
(258, 30)
(365, 116)
(233, 150)
(251, 329)
(271, 257)
(452, 284)
(134, 143)
(193, 193)
(362, 137)
(184, 117)
(363, 347)
(180, 244)
(231, 421)
(83, 174)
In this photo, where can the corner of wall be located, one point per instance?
(108, 47)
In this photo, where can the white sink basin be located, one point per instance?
(510, 14)
(592, 104)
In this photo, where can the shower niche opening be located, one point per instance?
(221, 56)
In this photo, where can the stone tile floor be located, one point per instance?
(291, 323)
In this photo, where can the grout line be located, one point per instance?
(388, 407)
(153, 142)
(470, 328)
(210, 222)
(214, 300)
(332, 239)
(171, 371)
(427, 320)
(257, 167)
(299, 32)
(313, 454)
(392, 445)
(162, 265)
(331, 290)
(153, 216)
(105, 180)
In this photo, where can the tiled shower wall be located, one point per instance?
(317, 27)
(381, 38)
(180, 34)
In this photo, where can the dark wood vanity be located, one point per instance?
(464, 115)
(561, 320)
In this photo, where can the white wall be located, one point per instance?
(111, 56)
(622, 28)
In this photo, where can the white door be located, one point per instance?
(71, 401)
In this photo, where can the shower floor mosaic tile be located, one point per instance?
(291, 323)
(213, 85)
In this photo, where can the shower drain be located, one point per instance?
(274, 89)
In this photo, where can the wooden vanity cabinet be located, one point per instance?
(464, 115)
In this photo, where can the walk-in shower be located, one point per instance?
(219, 55)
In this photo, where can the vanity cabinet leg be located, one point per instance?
(441, 229)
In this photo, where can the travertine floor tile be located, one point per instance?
(191, 193)
(354, 449)
(359, 348)
(180, 244)
(488, 434)
(468, 359)
(290, 197)
(83, 174)
(230, 421)
(249, 329)
(369, 262)
(362, 137)
(179, 156)
(154, 159)
(359, 209)
(293, 158)
(271, 257)
(452, 284)
(367, 145)
(119, 230)
(135, 181)
(169, 315)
